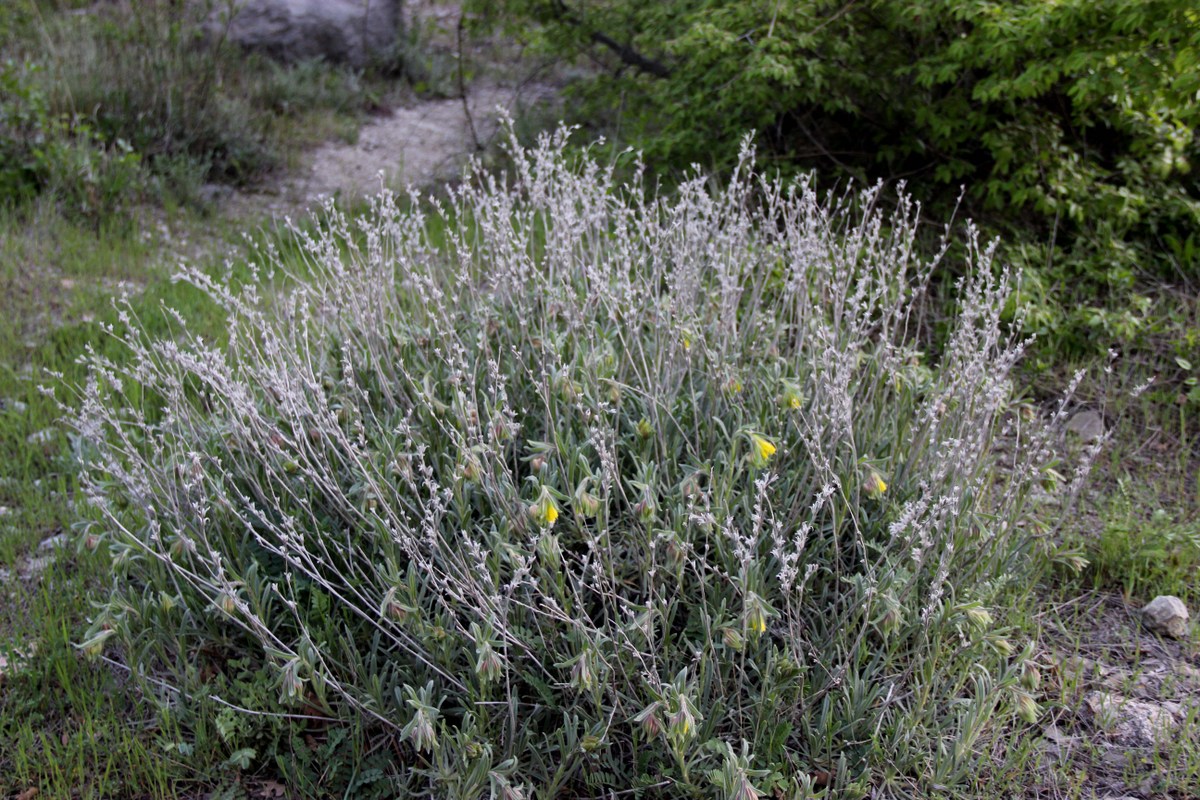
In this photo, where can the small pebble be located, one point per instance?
(1166, 614)
(1087, 425)
(54, 542)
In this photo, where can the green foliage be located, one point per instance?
(1072, 124)
(41, 151)
(1144, 555)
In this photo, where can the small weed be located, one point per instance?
(1145, 553)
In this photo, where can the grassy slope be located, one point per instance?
(69, 726)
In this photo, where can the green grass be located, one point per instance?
(70, 726)
(1144, 549)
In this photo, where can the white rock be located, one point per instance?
(34, 567)
(343, 31)
(54, 542)
(1167, 615)
(1133, 723)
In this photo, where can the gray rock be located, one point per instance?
(213, 193)
(1167, 615)
(342, 31)
(34, 567)
(1133, 723)
(53, 542)
(1054, 734)
(1087, 425)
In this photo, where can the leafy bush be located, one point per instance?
(42, 151)
(1072, 123)
(566, 488)
(145, 76)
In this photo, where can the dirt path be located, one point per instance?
(420, 143)
(423, 144)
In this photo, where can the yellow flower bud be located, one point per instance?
(979, 617)
(755, 613)
(649, 720)
(586, 503)
(1027, 707)
(1031, 676)
(544, 510)
(874, 485)
(470, 469)
(792, 397)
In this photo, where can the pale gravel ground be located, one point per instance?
(424, 144)
(421, 144)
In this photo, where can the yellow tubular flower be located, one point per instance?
(763, 450)
(875, 485)
(755, 614)
(544, 511)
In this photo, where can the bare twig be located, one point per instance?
(462, 84)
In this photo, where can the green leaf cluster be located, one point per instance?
(1071, 124)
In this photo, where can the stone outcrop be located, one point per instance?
(350, 32)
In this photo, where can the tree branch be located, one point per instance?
(623, 51)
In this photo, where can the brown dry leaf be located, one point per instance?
(28, 794)
(822, 778)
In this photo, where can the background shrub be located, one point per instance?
(107, 103)
(566, 487)
(1072, 124)
(41, 151)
